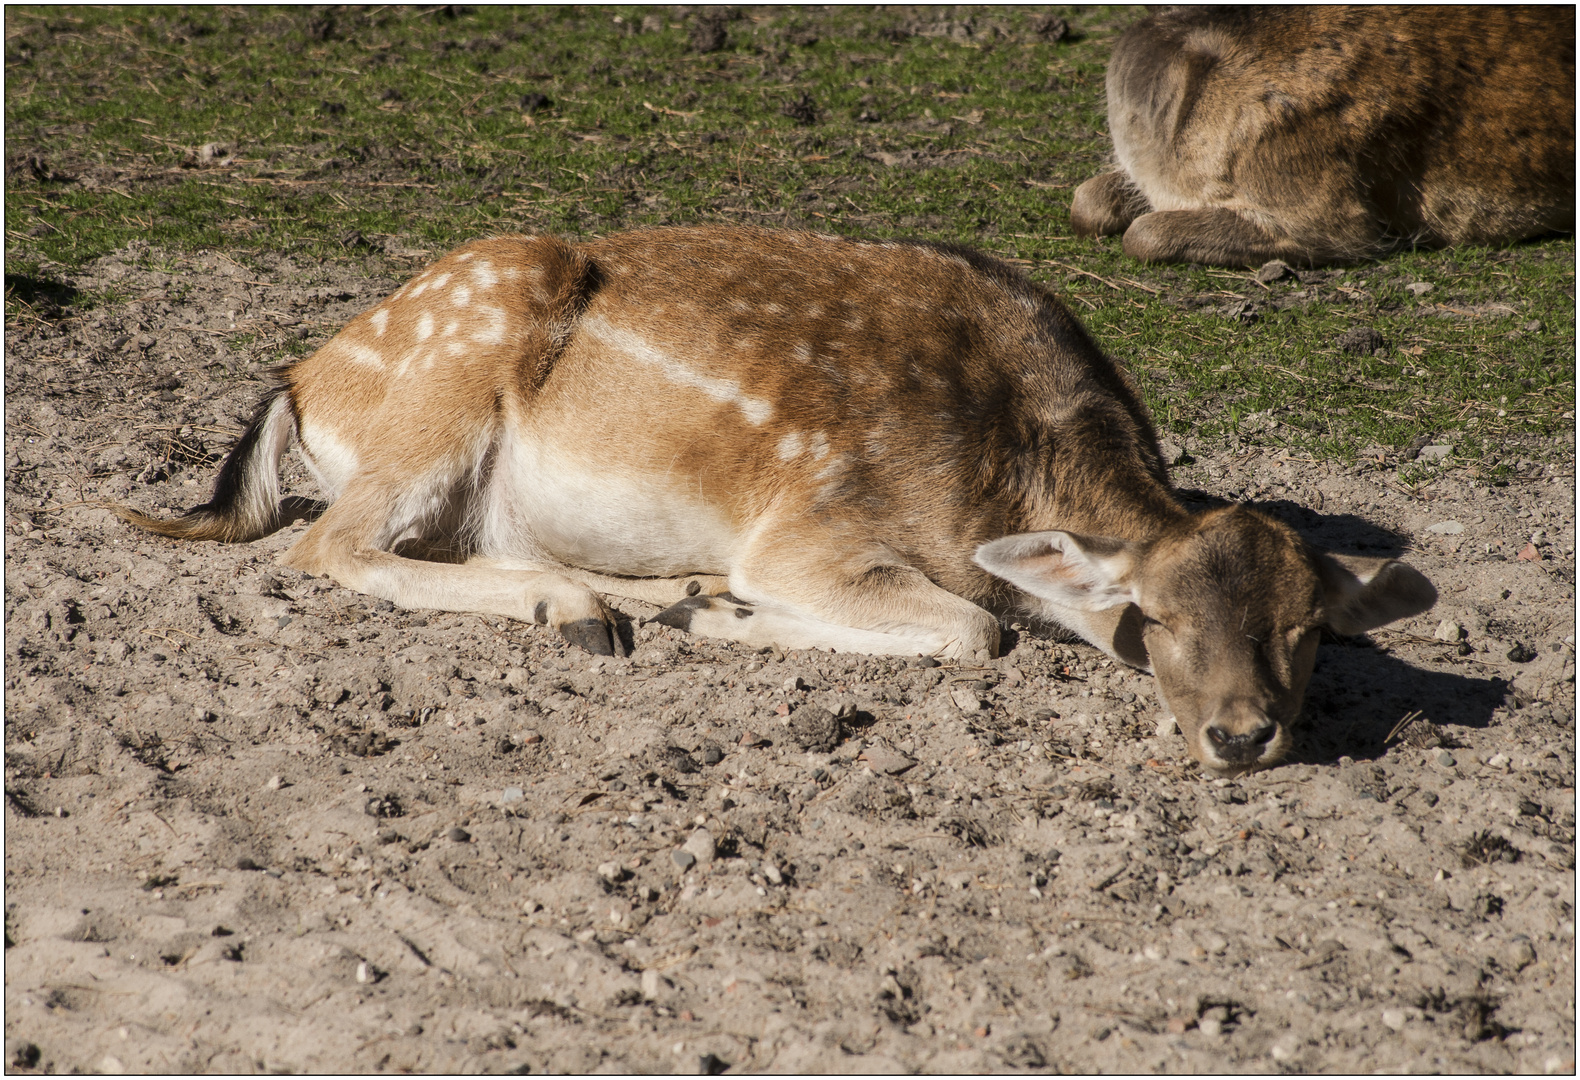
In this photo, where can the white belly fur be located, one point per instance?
(601, 516)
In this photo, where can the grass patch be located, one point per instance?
(333, 133)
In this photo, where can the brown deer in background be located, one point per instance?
(1321, 134)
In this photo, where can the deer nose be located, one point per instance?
(1242, 749)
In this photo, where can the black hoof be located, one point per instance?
(679, 614)
(590, 634)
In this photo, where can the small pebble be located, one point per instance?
(774, 875)
(528, 738)
(1449, 630)
(794, 683)
(1395, 1018)
(362, 972)
(1443, 759)
(247, 863)
(1210, 1026)
(1419, 288)
(1273, 270)
(611, 871)
(512, 795)
(459, 835)
(1168, 726)
(683, 859)
(1522, 653)
(712, 755)
(1520, 953)
(883, 760)
(966, 699)
(700, 845)
(275, 783)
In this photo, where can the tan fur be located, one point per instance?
(1316, 134)
(793, 440)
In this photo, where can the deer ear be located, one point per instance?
(1361, 594)
(1089, 573)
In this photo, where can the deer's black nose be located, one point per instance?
(1242, 749)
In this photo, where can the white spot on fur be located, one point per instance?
(438, 282)
(465, 255)
(361, 354)
(483, 275)
(380, 319)
(791, 446)
(803, 351)
(418, 289)
(494, 332)
(510, 273)
(425, 327)
(819, 446)
(452, 328)
(460, 296)
(756, 410)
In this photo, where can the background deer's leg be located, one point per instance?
(347, 544)
(1106, 205)
(1216, 236)
(830, 592)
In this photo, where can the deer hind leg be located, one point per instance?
(829, 593)
(1106, 205)
(350, 543)
(1219, 237)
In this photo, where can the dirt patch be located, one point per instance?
(256, 821)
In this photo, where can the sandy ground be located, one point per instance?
(257, 822)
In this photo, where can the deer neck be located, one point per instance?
(1109, 479)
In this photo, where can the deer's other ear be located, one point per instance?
(1361, 594)
(1089, 573)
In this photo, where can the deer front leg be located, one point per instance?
(343, 545)
(828, 592)
(660, 591)
(1106, 205)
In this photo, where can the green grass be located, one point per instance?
(414, 129)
